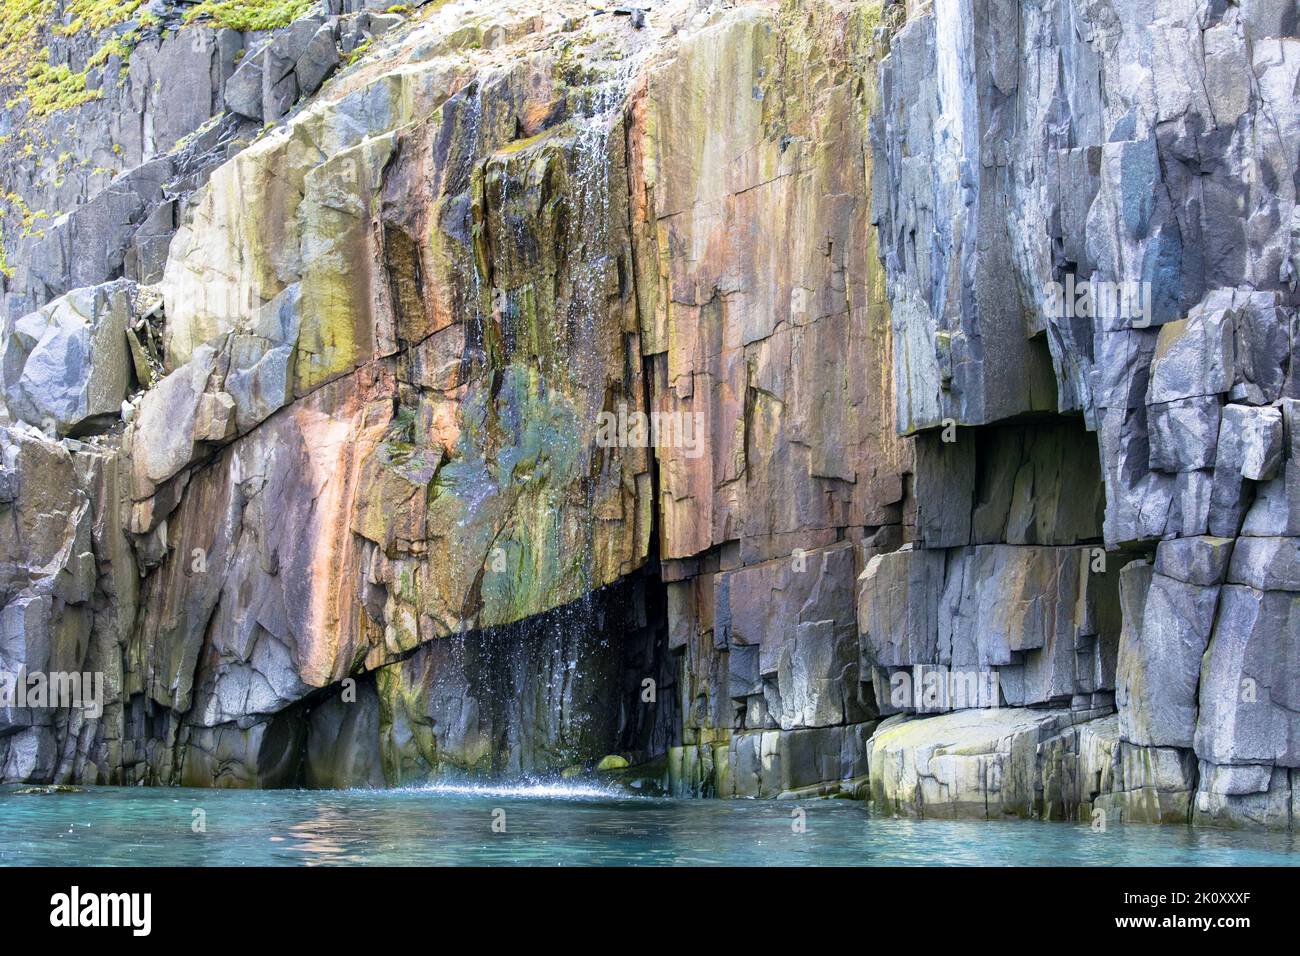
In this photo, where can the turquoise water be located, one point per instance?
(558, 825)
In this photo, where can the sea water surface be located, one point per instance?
(559, 824)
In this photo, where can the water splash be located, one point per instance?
(541, 790)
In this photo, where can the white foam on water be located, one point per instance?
(548, 790)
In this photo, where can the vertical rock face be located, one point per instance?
(390, 325)
(891, 399)
(764, 321)
(71, 596)
(1151, 153)
(366, 450)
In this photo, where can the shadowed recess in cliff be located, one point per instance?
(542, 697)
(1006, 579)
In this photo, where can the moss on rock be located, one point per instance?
(245, 15)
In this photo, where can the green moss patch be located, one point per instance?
(96, 15)
(50, 89)
(25, 67)
(250, 14)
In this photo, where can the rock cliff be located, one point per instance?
(790, 398)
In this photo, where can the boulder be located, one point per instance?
(797, 763)
(817, 678)
(1266, 563)
(981, 764)
(1261, 439)
(1263, 348)
(66, 367)
(1230, 497)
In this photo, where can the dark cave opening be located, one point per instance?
(549, 695)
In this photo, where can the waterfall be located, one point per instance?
(546, 689)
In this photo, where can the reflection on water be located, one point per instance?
(558, 824)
